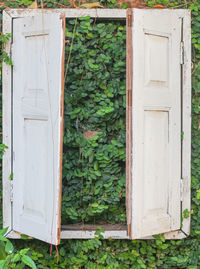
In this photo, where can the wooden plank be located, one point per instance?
(37, 125)
(61, 126)
(118, 234)
(94, 227)
(7, 122)
(175, 235)
(72, 13)
(156, 122)
(186, 124)
(129, 75)
(115, 234)
(102, 13)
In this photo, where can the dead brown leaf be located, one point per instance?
(158, 6)
(91, 5)
(90, 134)
(33, 5)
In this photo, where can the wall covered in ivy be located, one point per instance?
(109, 124)
(94, 126)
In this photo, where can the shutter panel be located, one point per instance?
(38, 58)
(156, 122)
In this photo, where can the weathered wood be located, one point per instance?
(70, 13)
(37, 55)
(114, 234)
(118, 234)
(186, 120)
(94, 227)
(156, 122)
(129, 75)
(103, 13)
(73, 13)
(61, 126)
(7, 131)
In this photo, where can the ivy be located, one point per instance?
(94, 168)
(120, 254)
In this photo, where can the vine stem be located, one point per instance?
(68, 60)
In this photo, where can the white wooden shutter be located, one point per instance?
(37, 54)
(156, 122)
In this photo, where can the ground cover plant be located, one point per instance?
(94, 119)
(125, 254)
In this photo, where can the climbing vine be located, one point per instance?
(98, 253)
(94, 134)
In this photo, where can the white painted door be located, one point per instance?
(156, 121)
(37, 55)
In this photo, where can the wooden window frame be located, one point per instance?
(114, 232)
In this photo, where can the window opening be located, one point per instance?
(94, 143)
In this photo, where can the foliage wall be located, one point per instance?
(95, 117)
(98, 253)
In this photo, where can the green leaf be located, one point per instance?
(135, 253)
(24, 236)
(24, 251)
(98, 173)
(3, 265)
(96, 166)
(2, 238)
(3, 231)
(28, 261)
(11, 176)
(95, 205)
(2, 251)
(16, 258)
(84, 18)
(186, 214)
(198, 194)
(9, 247)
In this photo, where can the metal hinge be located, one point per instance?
(181, 187)
(182, 53)
(11, 191)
